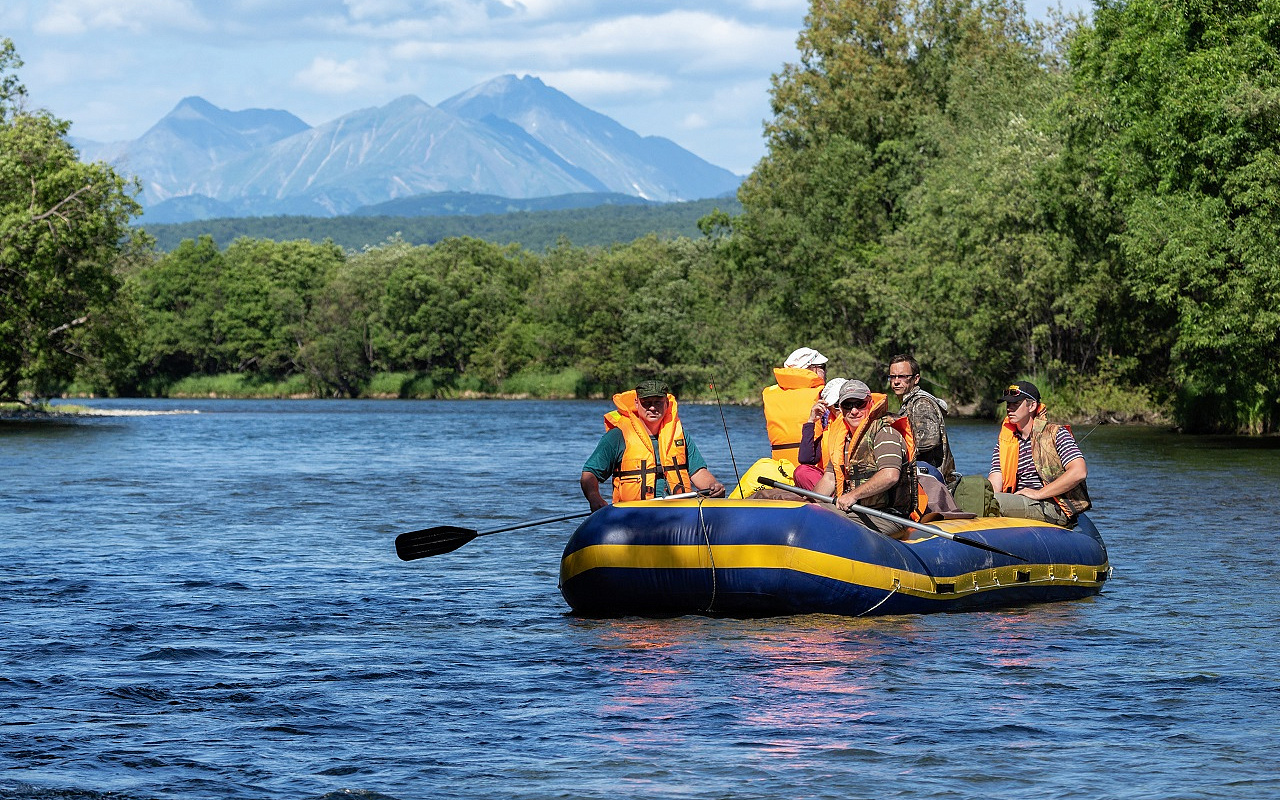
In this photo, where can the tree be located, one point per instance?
(905, 123)
(64, 226)
(1181, 104)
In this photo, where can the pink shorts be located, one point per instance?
(807, 476)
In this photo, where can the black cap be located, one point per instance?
(1019, 390)
(651, 388)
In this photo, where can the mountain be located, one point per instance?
(404, 148)
(646, 166)
(192, 138)
(511, 137)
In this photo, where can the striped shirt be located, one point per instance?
(1028, 475)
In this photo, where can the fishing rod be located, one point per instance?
(729, 442)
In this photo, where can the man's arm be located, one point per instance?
(1075, 472)
(600, 466)
(703, 479)
(591, 490)
(884, 480)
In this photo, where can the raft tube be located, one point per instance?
(770, 558)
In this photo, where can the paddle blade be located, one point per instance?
(432, 541)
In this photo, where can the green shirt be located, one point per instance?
(608, 457)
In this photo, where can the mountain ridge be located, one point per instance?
(510, 137)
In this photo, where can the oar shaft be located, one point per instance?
(545, 521)
(870, 512)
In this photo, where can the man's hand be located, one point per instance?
(846, 501)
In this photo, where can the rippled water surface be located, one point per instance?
(209, 605)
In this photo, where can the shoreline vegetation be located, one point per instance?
(1001, 198)
(1091, 404)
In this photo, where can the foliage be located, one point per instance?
(1096, 206)
(63, 232)
(599, 226)
(1181, 102)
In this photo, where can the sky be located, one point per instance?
(694, 71)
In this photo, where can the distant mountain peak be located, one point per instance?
(195, 105)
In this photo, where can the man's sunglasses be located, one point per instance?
(1022, 396)
(851, 404)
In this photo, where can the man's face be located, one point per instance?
(902, 379)
(854, 410)
(1020, 411)
(651, 409)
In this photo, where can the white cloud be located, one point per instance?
(693, 121)
(330, 76)
(587, 85)
(75, 17)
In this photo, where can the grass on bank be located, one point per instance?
(1079, 401)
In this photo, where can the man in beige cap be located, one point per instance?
(867, 459)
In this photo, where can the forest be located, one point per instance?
(600, 226)
(1093, 205)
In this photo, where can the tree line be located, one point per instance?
(534, 230)
(1092, 205)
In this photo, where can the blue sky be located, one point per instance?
(694, 71)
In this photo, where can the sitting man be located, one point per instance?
(1037, 468)
(868, 460)
(788, 402)
(645, 450)
(925, 412)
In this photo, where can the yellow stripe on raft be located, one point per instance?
(822, 565)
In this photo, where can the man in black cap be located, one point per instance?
(645, 450)
(1037, 468)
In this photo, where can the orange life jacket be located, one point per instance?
(1044, 454)
(846, 452)
(636, 478)
(786, 409)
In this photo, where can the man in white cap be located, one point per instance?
(788, 403)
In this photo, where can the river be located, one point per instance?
(208, 605)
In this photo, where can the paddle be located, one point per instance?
(871, 512)
(447, 538)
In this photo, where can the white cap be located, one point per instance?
(831, 392)
(804, 358)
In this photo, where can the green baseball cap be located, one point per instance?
(652, 388)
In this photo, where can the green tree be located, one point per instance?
(881, 91)
(179, 298)
(445, 304)
(64, 227)
(338, 352)
(267, 289)
(1181, 104)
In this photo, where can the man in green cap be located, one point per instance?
(645, 450)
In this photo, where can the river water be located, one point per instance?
(208, 605)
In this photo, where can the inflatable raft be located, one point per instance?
(766, 558)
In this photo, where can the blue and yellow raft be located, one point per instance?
(766, 558)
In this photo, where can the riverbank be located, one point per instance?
(23, 412)
(1093, 402)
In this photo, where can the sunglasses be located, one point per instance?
(851, 404)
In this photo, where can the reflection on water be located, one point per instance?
(209, 605)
